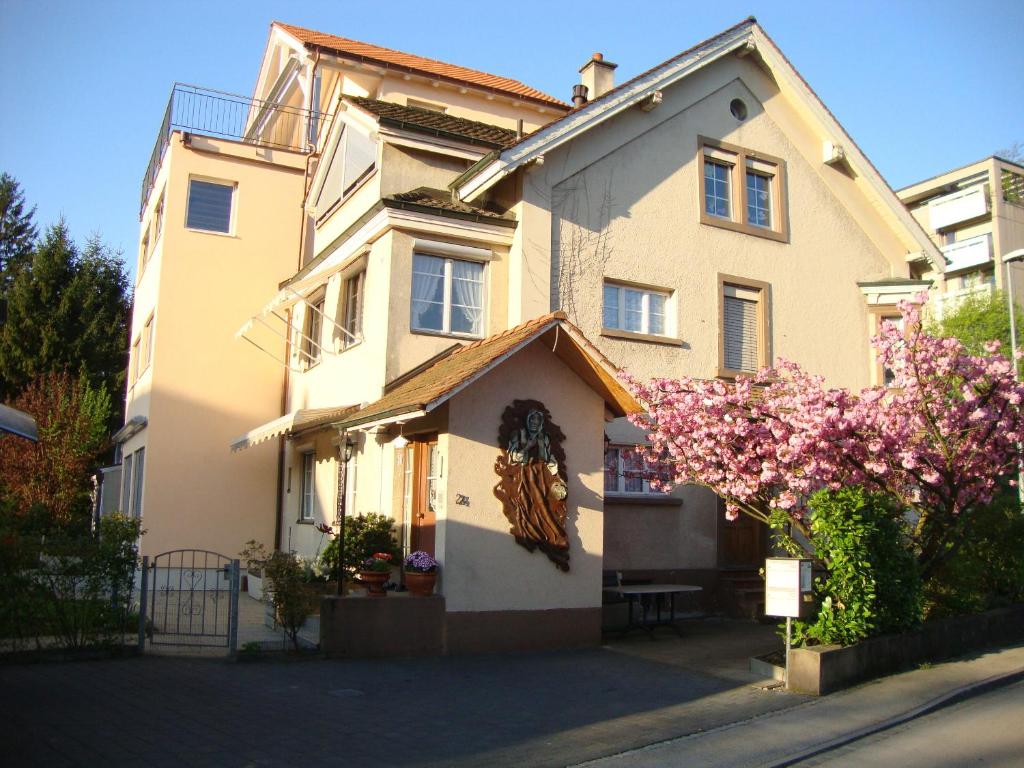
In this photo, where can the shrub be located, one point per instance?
(365, 535)
(987, 569)
(290, 595)
(872, 585)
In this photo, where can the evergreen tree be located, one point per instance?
(67, 311)
(17, 233)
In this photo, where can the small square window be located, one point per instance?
(210, 206)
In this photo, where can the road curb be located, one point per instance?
(948, 699)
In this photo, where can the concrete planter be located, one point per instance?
(826, 668)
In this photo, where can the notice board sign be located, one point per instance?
(787, 580)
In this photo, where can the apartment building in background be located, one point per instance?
(345, 293)
(975, 216)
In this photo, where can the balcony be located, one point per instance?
(972, 252)
(206, 112)
(960, 206)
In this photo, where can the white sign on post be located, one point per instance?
(786, 581)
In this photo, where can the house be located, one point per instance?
(975, 215)
(468, 264)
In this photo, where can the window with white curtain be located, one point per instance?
(447, 295)
(625, 471)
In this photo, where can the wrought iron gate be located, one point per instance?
(190, 598)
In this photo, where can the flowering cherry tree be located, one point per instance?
(940, 440)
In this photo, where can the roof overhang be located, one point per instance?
(18, 423)
(889, 293)
(293, 424)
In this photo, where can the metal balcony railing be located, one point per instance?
(206, 112)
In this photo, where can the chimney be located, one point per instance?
(579, 95)
(598, 75)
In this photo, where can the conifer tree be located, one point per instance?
(17, 232)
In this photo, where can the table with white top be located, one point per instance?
(643, 595)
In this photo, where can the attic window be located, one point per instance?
(742, 190)
(738, 109)
(352, 159)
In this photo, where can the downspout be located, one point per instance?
(279, 506)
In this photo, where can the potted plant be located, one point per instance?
(420, 573)
(374, 572)
(255, 557)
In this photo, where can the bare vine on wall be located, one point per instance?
(584, 245)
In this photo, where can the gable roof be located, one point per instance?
(436, 123)
(408, 62)
(747, 35)
(436, 384)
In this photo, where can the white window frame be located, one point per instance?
(307, 486)
(446, 311)
(353, 294)
(233, 185)
(645, 324)
(312, 338)
(620, 472)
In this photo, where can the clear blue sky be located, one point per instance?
(921, 86)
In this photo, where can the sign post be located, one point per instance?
(787, 590)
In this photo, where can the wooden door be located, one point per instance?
(743, 542)
(426, 469)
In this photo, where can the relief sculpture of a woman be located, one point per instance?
(532, 485)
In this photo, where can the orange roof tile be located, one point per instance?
(388, 57)
(441, 379)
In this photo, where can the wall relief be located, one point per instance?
(532, 479)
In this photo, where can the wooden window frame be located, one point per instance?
(742, 161)
(763, 322)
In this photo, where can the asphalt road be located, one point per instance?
(987, 730)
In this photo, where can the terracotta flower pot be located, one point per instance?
(374, 581)
(420, 584)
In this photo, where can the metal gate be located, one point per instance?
(189, 597)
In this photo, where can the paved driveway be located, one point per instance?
(535, 709)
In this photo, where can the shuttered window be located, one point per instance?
(741, 328)
(209, 206)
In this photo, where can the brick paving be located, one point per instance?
(537, 709)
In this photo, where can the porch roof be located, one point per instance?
(294, 423)
(436, 384)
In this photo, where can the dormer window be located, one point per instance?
(351, 159)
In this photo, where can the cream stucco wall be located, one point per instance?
(483, 569)
(206, 387)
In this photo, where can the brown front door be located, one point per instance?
(743, 542)
(426, 466)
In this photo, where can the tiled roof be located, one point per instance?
(437, 123)
(388, 57)
(463, 365)
(441, 201)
